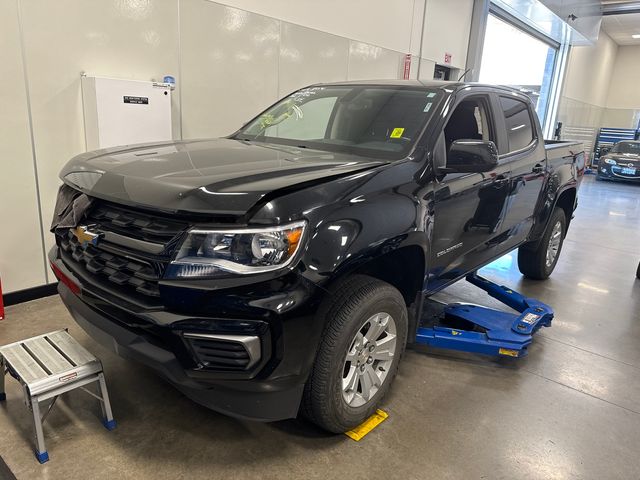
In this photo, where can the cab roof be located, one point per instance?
(439, 84)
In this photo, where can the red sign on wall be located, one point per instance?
(447, 58)
(407, 66)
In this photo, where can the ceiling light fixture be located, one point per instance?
(635, 35)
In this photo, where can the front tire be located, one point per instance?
(359, 353)
(538, 263)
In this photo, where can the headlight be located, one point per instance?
(216, 253)
(610, 161)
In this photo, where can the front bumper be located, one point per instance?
(615, 172)
(270, 391)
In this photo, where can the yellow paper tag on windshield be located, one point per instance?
(397, 133)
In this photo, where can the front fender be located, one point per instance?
(358, 233)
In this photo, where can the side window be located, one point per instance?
(291, 127)
(517, 119)
(469, 121)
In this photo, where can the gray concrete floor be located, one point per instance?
(570, 410)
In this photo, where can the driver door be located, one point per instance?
(468, 207)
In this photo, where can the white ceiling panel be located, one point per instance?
(621, 28)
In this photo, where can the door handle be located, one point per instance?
(537, 168)
(500, 180)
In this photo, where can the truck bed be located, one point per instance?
(561, 152)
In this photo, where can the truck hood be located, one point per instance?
(221, 176)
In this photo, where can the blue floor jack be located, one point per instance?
(477, 329)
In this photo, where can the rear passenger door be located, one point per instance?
(522, 152)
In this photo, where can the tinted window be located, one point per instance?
(469, 121)
(518, 122)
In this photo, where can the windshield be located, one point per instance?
(626, 147)
(374, 121)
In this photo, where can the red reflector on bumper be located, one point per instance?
(74, 287)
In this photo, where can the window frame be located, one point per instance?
(487, 98)
(507, 154)
(485, 101)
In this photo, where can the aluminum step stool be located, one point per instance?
(48, 366)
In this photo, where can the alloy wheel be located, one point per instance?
(554, 244)
(369, 359)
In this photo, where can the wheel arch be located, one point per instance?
(403, 268)
(566, 200)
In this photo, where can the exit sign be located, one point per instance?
(447, 58)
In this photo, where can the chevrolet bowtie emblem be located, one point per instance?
(86, 237)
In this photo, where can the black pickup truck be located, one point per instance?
(283, 269)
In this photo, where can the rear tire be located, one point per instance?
(538, 263)
(352, 373)
(638, 271)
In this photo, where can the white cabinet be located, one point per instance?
(123, 112)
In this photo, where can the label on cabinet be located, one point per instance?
(136, 100)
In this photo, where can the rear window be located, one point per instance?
(518, 122)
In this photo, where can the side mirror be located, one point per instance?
(471, 156)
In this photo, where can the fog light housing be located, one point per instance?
(225, 352)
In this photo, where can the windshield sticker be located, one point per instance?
(397, 133)
(431, 94)
(427, 107)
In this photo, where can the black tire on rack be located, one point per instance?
(538, 262)
(358, 357)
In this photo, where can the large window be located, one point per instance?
(374, 121)
(511, 56)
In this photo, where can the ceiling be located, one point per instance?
(621, 27)
(621, 19)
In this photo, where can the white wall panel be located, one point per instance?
(137, 40)
(624, 90)
(416, 26)
(446, 30)
(621, 117)
(21, 257)
(229, 64)
(427, 69)
(370, 62)
(589, 71)
(308, 56)
(229, 67)
(379, 22)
